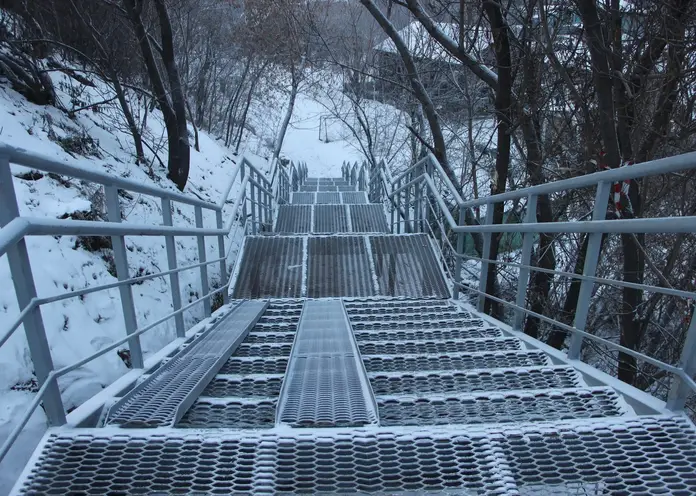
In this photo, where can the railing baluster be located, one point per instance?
(221, 254)
(25, 290)
(172, 264)
(527, 245)
(254, 201)
(461, 238)
(483, 278)
(591, 259)
(680, 390)
(113, 208)
(201, 259)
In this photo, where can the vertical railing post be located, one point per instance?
(222, 254)
(202, 259)
(398, 207)
(594, 246)
(407, 205)
(253, 200)
(244, 207)
(527, 245)
(113, 208)
(25, 290)
(679, 390)
(487, 239)
(460, 253)
(418, 203)
(172, 264)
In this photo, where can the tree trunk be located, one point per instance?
(288, 115)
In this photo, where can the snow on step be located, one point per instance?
(325, 384)
(165, 396)
(636, 455)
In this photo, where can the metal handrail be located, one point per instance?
(255, 189)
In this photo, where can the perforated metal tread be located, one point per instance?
(500, 407)
(454, 361)
(451, 381)
(207, 413)
(431, 347)
(294, 219)
(406, 266)
(428, 334)
(345, 197)
(330, 219)
(270, 267)
(325, 385)
(338, 266)
(368, 218)
(164, 397)
(255, 365)
(646, 455)
(245, 386)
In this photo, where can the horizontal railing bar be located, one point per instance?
(261, 187)
(125, 282)
(610, 282)
(39, 226)
(230, 184)
(18, 321)
(12, 232)
(238, 202)
(686, 161)
(403, 174)
(653, 361)
(35, 161)
(69, 368)
(686, 224)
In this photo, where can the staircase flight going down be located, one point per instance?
(342, 364)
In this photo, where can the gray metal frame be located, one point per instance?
(423, 198)
(257, 194)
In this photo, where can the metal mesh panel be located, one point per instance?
(263, 350)
(325, 383)
(270, 267)
(247, 414)
(294, 219)
(330, 219)
(362, 306)
(354, 197)
(327, 187)
(430, 347)
(368, 219)
(247, 387)
(406, 266)
(164, 396)
(650, 456)
(428, 335)
(255, 365)
(269, 337)
(298, 198)
(500, 407)
(338, 267)
(308, 187)
(345, 188)
(395, 363)
(475, 381)
(324, 198)
(646, 455)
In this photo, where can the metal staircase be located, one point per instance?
(343, 365)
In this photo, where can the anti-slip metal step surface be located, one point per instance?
(270, 267)
(345, 197)
(329, 219)
(294, 219)
(338, 266)
(638, 455)
(454, 361)
(164, 397)
(431, 347)
(326, 385)
(368, 218)
(428, 334)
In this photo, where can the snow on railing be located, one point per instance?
(252, 211)
(423, 199)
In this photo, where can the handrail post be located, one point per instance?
(487, 239)
(460, 252)
(113, 208)
(221, 256)
(418, 204)
(244, 207)
(679, 390)
(202, 259)
(523, 279)
(23, 280)
(254, 201)
(172, 264)
(594, 246)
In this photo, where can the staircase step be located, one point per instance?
(270, 267)
(165, 395)
(330, 219)
(325, 385)
(338, 267)
(294, 219)
(269, 337)
(637, 455)
(207, 413)
(454, 361)
(367, 306)
(403, 325)
(498, 407)
(441, 382)
(263, 350)
(255, 365)
(256, 386)
(429, 334)
(327, 198)
(368, 218)
(444, 347)
(353, 197)
(406, 266)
